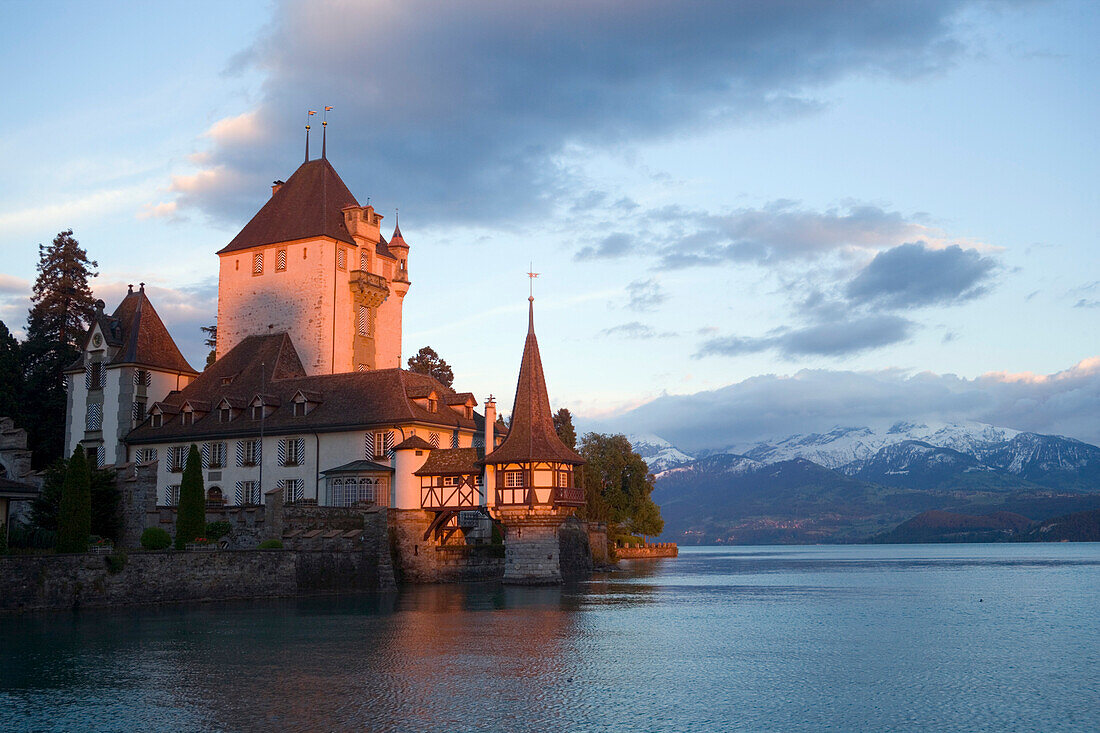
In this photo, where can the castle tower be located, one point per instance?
(534, 477)
(129, 361)
(313, 263)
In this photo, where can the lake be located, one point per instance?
(910, 637)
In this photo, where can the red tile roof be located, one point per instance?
(136, 329)
(308, 205)
(451, 461)
(531, 435)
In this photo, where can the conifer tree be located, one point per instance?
(563, 425)
(191, 512)
(75, 517)
(428, 362)
(11, 376)
(63, 307)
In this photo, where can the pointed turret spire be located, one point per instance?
(531, 435)
(309, 114)
(324, 133)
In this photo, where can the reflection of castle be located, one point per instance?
(307, 395)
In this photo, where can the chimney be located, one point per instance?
(490, 424)
(275, 186)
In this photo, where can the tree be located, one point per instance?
(617, 485)
(428, 362)
(63, 307)
(46, 507)
(191, 512)
(211, 340)
(105, 499)
(563, 424)
(106, 521)
(75, 515)
(11, 376)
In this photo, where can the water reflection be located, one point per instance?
(737, 638)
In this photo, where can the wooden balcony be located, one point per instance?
(530, 496)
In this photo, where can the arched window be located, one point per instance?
(338, 492)
(366, 490)
(214, 494)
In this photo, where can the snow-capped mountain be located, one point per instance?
(658, 453)
(844, 446)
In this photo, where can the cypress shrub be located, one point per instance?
(75, 517)
(191, 513)
(270, 545)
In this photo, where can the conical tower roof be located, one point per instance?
(531, 434)
(308, 205)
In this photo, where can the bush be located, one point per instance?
(216, 530)
(3, 539)
(116, 562)
(497, 535)
(271, 545)
(30, 538)
(155, 538)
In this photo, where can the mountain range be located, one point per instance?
(852, 483)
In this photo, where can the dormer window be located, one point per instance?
(257, 412)
(226, 381)
(433, 405)
(225, 414)
(187, 418)
(299, 409)
(156, 420)
(469, 412)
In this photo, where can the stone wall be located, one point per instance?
(417, 560)
(58, 582)
(597, 543)
(574, 550)
(659, 549)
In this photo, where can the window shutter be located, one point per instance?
(259, 452)
(454, 439)
(479, 441)
(87, 376)
(102, 377)
(301, 450)
(94, 417)
(282, 452)
(240, 492)
(368, 446)
(240, 453)
(389, 445)
(434, 440)
(280, 260)
(206, 455)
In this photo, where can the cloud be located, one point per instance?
(1084, 303)
(463, 111)
(12, 285)
(645, 295)
(834, 338)
(912, 275)
(163, 210)
(635, 330)
(611, 246)
(772, 406)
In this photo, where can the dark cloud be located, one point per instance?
(913, 275)
(635, 330)
(809, 401)
(833, 338)
(461, 111)
(613, 245)
(645, 295)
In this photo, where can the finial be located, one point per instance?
(131, 288)
(532, 274)
(309, 114)
(142, 286)
(324, 131)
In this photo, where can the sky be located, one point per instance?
(750, 219)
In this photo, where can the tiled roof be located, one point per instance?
(140, 336)
(531, 435)
(414, 442)
(451, 461)
(350, 401)
(308, 205)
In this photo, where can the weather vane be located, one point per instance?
(532, 275)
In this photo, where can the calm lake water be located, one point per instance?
(930, 637)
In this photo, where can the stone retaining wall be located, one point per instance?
(57, 582)
(641, 552)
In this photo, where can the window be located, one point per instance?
(294, 489)
(469, 412)
(366, 490)
(93, 417)
(450, 480)
(146, 455)
(217, 455)
(257, 412)
(513, 479)
(563, 479)
(156, 420)
(225, 414)
(365, 321)
(172, 495)
(176, 456)
(92, 454)
(248, 452)
(248, 492)
(226, 381)
(93, 375)
(299, 409)
(143, 377)
(364, 261)
(378, 444)
(258, 263)
(139, 411)
(341, 258)
(290, 451)
(433, 405)
(280, 260)
(187, 418)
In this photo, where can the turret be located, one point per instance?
(401, 251)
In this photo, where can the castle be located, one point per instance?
(307, 396)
